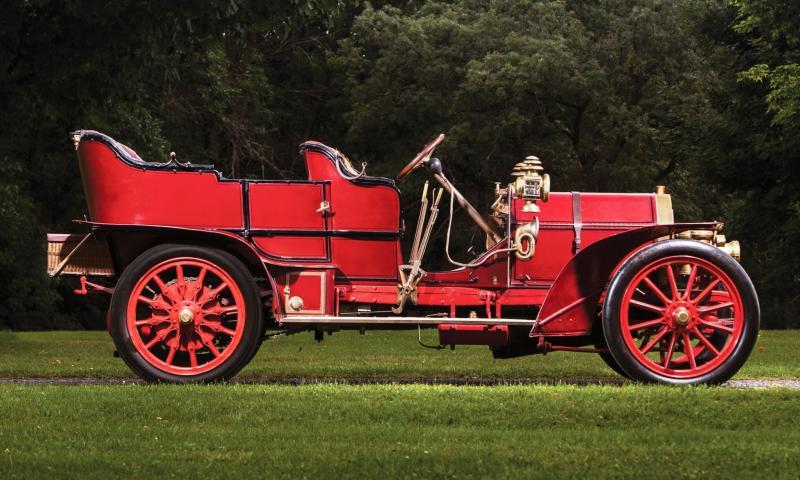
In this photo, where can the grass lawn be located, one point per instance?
(348, 354)
(392, 431)
(397, 431)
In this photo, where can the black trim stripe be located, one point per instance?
(246, 208)
(268, 232)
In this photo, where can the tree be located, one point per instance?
(609, 94)
(216, 81)
(752, 145)
(773, 30)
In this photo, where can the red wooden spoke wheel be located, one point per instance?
(680, 312)
(184, 313)
(678, 330)
(186, 316)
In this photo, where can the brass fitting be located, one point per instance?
(76, 139)
(295, 304)
(733, 249)
(186, 316)
(712, 237)
(531, 184)
(526, 233)
(663, 200)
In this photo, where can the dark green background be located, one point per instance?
(702, 96)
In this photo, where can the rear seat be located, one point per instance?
(129, 156)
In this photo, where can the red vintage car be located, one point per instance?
(199, 266)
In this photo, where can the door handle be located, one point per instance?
(324, 207)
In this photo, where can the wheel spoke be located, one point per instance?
(152, 320)
(172, 350)
(648, 324)
(687, 348)
(192, 357)
(219, 310)
(670, 349)
(715, 326)
(211, 347)
(219, 288)
(720, 296)
(180, 281)
(165, 291)
(687, 292)
(673, 285)
(657, 291)
(158, 338)
(655, 339)
(226, 331)
(647, 306)
(725, 321)
(152, 342)
(157, 303)
(713, 308)
(199, 282)
(211, 294)
(219, 328)
(699, 298)
(705, 341)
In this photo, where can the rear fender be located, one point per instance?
(571, 305)
(127, 242)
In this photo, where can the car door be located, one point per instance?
(288, 221)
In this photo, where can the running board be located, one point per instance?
(365, 320)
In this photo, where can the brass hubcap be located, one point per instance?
(682, 316)
(185, 316)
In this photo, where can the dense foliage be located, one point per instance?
(700, 95)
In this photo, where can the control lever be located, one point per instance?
(408, 282)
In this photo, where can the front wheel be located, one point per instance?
(680, 312)
(185, 313)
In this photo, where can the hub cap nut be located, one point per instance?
(682, 316)
(185, 316)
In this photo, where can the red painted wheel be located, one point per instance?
(183, 313)
(680, 312)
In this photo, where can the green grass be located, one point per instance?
(397, 431)
(334, 430)
(348, 354)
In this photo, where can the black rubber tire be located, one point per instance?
(600, 343)
(625, 274)
(249, 344)
(612, 364)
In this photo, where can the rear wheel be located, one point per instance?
(186, 314)
(680, 311)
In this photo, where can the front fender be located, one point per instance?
(571, 305)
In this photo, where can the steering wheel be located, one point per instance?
(422, 156)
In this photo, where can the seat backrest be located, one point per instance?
(342, 167)
(129, 156)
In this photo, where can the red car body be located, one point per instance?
(332, 241)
